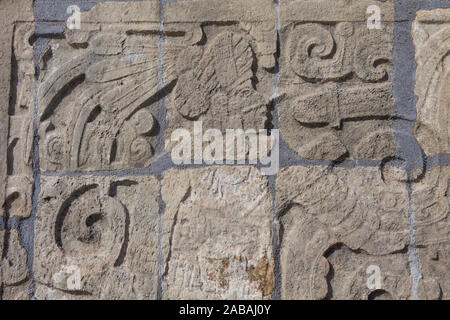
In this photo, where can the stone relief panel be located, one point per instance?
(16, 105)
(217, 234)
(17, 199)
(334, 224)
(96, 238)
(336, 90)
(207, 233)
(16, 91)
(431, 32)
(99, 89)
(112, 86)
(14, 279)
(224, 75)
(430, 206)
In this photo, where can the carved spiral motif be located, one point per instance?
(316, 53)
(92, 229)
(54, 148)
(311, 51)
(140, 149)
(372, 58)
(143, 122)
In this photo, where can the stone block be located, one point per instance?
(217, 234)
(97, 238)
(337, 226)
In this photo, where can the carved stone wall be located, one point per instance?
(93, 207)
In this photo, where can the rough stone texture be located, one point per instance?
(14, 279)
(430, 197)
(431, 31)
(88, 190)
(217, 231)
(16, 106)
(430, 205)
(334, 11)
(222, 74)
(97, 91)
(336, 82)
(105, 227)
(335, 222)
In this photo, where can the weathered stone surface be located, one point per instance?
(14, 280)
(336, 81)
(431, 30)
(430, 206)
(98, 89)
(333, 11)
(16, 107)
(335, 223)
(110, 94)
(217, 241)
(223, 74)
(105, 229)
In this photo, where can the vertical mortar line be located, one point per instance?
(160, 143)
(276, 295)
(416, 274)
(404, 67)
(36, 175)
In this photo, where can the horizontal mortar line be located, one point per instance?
(13, 223)
(77, 173)
(150, 172)
(351, 163)
(45, 21)
(404, 20)
(206, 21)
(63, 20)
(153, 169)
(438, 160)
(325, 21)
(345, 163)
(81, 1)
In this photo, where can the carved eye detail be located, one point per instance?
(388, 200)
(220, 100)
(245, 93)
